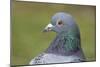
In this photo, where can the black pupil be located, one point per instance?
(60, 22)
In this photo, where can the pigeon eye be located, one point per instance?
(60, 22)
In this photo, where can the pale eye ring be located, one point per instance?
(60, 23)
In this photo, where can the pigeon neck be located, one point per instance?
(60, 45)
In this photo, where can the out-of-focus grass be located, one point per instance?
(29, 19)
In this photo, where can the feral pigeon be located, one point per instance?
(66, 47)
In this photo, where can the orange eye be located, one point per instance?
(60, 22)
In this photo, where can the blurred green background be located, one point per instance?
(28, 19)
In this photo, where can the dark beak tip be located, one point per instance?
(44, 30)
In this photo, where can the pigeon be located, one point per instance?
(66, 47)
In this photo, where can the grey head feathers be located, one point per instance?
(67, 40)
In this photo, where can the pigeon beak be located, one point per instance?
(48, 28)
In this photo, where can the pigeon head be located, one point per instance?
(60, 22)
